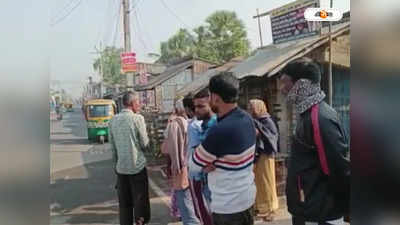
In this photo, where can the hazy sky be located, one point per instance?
(73, 39)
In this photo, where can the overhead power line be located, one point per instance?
(142, 31)
(64, 8)
(138, 33)
(117, 24)
(132, 9)
(100, 36)
(67, 14)
(175, 15)
(137, 14)
(113, 17)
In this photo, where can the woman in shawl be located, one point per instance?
(174, 212)
(175, 146)
(264, 168)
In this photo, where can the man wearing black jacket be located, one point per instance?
(318, 175)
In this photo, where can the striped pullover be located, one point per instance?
(230, 146)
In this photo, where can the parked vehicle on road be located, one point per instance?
(98, 113)
(59, 112)
(69, 107)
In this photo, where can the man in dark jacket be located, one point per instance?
(317, 184)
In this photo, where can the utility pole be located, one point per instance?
(127, 39)
(259, 29)
(330, 94)
(101, 62)
(100, 52)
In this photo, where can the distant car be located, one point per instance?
(59, 116)
(68, 106)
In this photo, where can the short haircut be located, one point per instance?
(202, 94)
(226, 86)
(188, 101)
(129, 97)
(303, 68)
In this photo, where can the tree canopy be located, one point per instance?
(179, 45)
(109, 65)
(221, 38)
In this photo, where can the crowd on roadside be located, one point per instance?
(221, 158)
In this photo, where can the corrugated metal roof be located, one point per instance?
(198, 84)
(205, 77)
(270, 59)
(152, 68)
(166, 75)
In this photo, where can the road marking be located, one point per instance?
(164, 197)
(110, 203)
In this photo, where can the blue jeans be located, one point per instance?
(185, 206)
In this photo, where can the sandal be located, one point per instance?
(267, 217)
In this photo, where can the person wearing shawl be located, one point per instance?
(264, 168)
(317, 187)
(175, 146)
(174, 211)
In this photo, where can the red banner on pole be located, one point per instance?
(128, 62)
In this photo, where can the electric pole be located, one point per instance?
(101, 66)
(330, 94)
(127, 39)
(101, 61)
(259, 29)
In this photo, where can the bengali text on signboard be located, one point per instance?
(128, 62)
(288, 22)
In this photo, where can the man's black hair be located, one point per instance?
(202, 94)
(226, 86)
(128, 98)
(188, 101)
(303, 68)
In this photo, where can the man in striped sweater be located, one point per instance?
(227, 154)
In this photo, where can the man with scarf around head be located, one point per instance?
(317, 186)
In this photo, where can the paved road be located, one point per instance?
(82, 180)
(69, 146)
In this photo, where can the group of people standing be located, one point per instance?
(226, 156)
(221, 158)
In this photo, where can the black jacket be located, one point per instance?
(312, 193)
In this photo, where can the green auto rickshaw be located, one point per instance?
(98, 113)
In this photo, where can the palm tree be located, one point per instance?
(228, 35)
(222, 38)
(178, 46)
